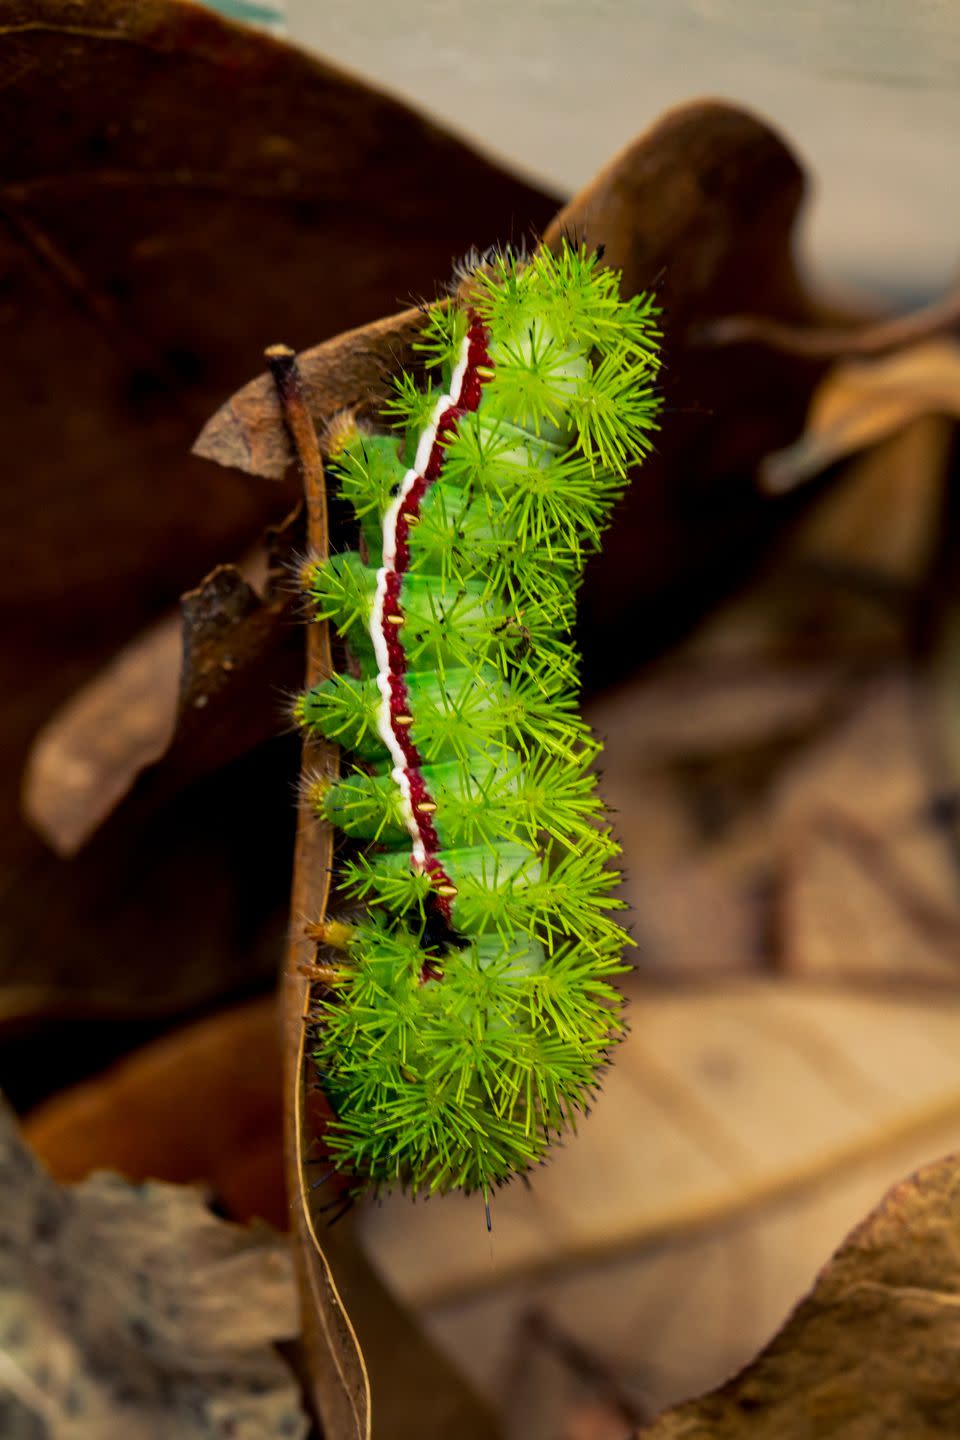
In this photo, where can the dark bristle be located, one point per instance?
(347, 1207)
(436, 934)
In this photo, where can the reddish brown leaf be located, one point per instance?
(141, 1117)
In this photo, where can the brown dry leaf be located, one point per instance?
(680, 211)
(740, 1132)
(213, 188)
(195, 190)
(131, 1310)
(871, 1350)
(861, 402)
(141, 1117)
(196, 691)
(177, 899)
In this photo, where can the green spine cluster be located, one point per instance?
(452, 1058)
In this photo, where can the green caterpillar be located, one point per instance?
(473, 1008)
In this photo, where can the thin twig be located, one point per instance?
(813, 343)
(340, 1384)
(311, 878)
(282, 363)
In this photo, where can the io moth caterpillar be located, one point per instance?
(472, 1010)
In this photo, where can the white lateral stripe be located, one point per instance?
(377, 633)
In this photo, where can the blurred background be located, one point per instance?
(771, 638)
(553, 88)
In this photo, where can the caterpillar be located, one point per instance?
(472, 1007)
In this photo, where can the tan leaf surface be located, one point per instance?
(883, 516)
(870, 884)
(132, 1310)
(850, 909)
(871, 1351)
(939, 668)
(796, 710)
(740, 1133)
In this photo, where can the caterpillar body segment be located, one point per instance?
(475, 1009)
(497, 796)
(453, 713)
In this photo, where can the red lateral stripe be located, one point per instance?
(448, 424)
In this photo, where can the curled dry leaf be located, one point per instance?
(132, 1310)
(862, 402)
(701, 208)
(842, 342)
(352, 371)
(870, 1352)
